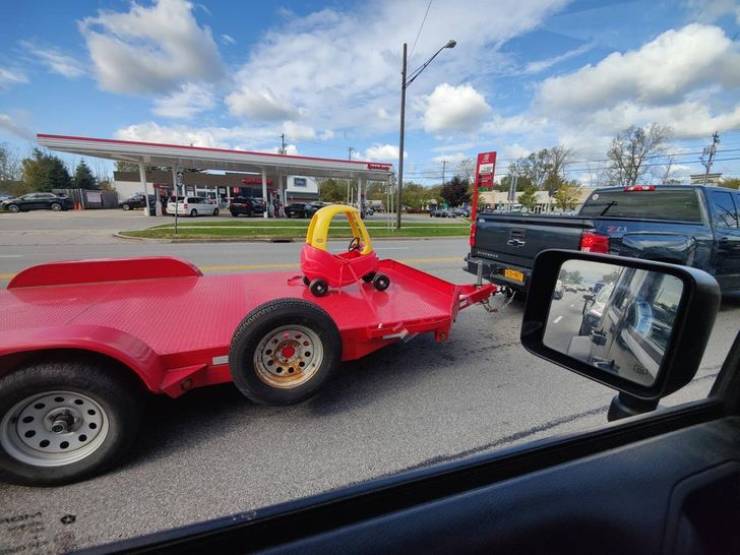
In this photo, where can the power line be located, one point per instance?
(418, 34)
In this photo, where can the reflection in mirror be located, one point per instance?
(614, 318)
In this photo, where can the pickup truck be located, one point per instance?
(693, 225)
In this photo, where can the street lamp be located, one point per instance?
(405, 82)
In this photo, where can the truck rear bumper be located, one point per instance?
(494, 272)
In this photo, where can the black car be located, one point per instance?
(136, 201)
(295, 210)
(246, 205)
(37, 201)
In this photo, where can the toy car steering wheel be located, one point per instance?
(354, 244)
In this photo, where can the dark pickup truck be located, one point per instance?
(682, 224)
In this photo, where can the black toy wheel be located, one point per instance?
(367, 278)
(284, 351)
(319, 287)
(381, 282)
(306, 281)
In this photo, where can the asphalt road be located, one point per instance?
(212, 453)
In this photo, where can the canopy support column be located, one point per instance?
(142, 180)
(264, 193)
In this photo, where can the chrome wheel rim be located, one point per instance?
(56, 207)
(288, 356)
(54, 428)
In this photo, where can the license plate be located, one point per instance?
(514, 275)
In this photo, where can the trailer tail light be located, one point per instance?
(640, 188)
(594, 242)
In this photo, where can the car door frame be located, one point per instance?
(726, 252)
(304, 519)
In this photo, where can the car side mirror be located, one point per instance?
(643, 333)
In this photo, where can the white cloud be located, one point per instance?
(675, 63)
(383, 153)
(352, 57)
(219, 137)
(451, 108)
(11, 127)
(190, 100)
(455, 146)
(541, 65)
(150, 49)
(260, 105)
(55, 60)
(452, 158)
(289, 149)
(515, 150)
(11, 77)
(227, 39)
(297, 132)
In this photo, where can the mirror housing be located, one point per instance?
(698, 307)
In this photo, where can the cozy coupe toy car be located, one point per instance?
(322, 269)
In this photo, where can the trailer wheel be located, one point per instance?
(284, 351)
(381, 282)
(319, 287)
(367, 278)
(64, 421)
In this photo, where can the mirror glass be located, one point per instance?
(615, 318)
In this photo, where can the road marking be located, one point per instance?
(11, 255)
(287, 266)
(556, 320)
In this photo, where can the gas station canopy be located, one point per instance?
(206, 158)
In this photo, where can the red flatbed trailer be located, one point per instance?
(174, 328)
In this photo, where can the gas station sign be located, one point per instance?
(485, 169)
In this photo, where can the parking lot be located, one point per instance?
(212, 453)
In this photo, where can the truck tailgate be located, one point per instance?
(518, 239)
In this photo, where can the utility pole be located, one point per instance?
(350, 150)
(400, 140)
(707, 156)
(282, 143)
(444, 167)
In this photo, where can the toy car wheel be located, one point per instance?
(381, 282)
(367, 278)
(306, 281)
(319, 287)
(284, 351)
(63, 421)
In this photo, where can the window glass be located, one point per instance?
(724, 210)
(651, 205)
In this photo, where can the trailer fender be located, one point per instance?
(130, 351)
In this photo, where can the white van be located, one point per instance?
(192, 206)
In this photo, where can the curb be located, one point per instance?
(275, 239)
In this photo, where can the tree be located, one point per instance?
(44, 172)
(629, 151)
(455, 192)
(522, 183)
(730, 182)
(126, 166)
(84, 179)
(10, 166)
(331, 190)
(544, 169)
(466, 168)
(567, 196)
(528, 198)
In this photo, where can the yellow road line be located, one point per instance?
(214, 268)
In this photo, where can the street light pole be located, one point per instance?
(400, 140)
(404, 84)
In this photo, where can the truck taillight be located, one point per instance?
(640, 188)
(594, 242)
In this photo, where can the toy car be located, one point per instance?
(322, 269)
(83, 342)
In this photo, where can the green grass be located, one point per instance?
(286, 229)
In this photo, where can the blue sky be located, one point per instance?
(525, 75)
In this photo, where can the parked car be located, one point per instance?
(295, 210)
(695, 225)
(136, 201)
(461, 211)
(37, 201)
(557, 293)
(192, 206)
(441, 213)
(312, 207)
(5, 197)
(247, 206)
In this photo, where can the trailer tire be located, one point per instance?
(101, 413)
(319, 287)
(284, 351)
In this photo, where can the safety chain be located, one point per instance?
(486, 303)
